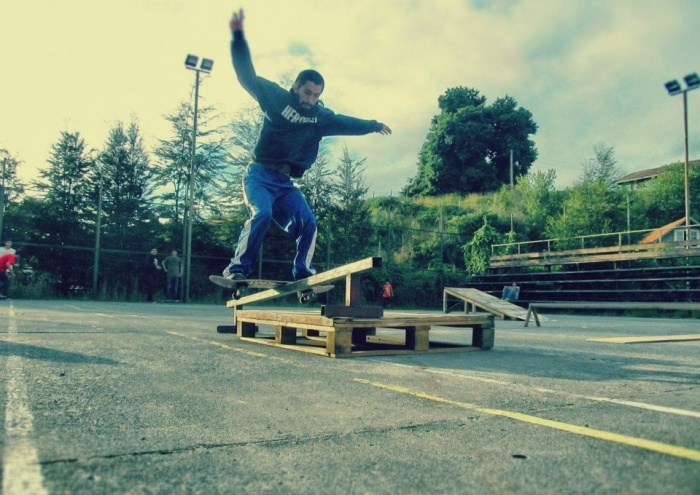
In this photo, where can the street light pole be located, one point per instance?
(205, 66)
(98, 228)
(673, 87)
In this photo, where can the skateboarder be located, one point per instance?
(295, 122)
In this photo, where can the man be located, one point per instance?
(151, 271)
(173, 271)
(510, 293)
(7, 248)
(294, 124)
(6, 262)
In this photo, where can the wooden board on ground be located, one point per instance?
(647, 340)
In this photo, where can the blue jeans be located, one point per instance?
(272, 197)
(172, 284)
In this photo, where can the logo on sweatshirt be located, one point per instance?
(295, 117)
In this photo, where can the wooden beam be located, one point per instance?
(307, 283)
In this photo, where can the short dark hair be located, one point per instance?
(310, 75)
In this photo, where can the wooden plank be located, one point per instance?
(483, 336)
(647, 339)
(318, 279)
(339, 342)
(285, 335)
(334, 311)
(417, 338)
(316, 321)
(485, 301)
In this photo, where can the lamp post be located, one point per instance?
(204, 66)
(692, 81)
(98, 228)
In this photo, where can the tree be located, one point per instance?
(662, 200)
(469, 145)
(603, 168)
(594, 205)
(350, 216)
(61, 220)
(477, 253)
(127, 189)
(11, 189)
(65, 181)
(537, 199)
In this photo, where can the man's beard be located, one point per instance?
(304, 108)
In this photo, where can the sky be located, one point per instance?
(589, 71)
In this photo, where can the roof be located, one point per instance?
(659, 233)
(649, 173)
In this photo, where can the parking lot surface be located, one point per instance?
(147, 398)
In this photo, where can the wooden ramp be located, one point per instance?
(470, 299)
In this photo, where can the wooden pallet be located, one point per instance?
(349, 337)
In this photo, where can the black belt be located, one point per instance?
(283, 168)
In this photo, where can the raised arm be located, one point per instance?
(240, 55)
(236, 22)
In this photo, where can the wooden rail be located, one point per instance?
(346, 271)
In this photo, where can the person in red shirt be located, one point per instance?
(387, 294)
(6, 263)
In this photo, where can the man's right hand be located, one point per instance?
(236, 23)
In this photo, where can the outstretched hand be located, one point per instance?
(236, 22)
(384, 130)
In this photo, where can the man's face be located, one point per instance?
(308, 94)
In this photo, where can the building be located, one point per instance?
(635, 180)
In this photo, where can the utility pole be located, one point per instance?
(511, 190)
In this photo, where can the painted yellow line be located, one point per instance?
(230, 348)
(663, 448)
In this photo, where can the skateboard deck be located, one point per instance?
(252, 283)
(242, 287)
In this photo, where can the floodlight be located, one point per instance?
(673, 87)
(206, 64)
(191, 61)
(692, 80)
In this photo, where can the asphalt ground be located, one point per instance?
(115, 398)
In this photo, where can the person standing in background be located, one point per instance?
(7, 249)
(387, 294)
(6, 262)
(173, 272)
(151, 271)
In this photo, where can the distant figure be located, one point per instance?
(7, 249)
(173, 271)
(510, 292)
(151, 270)
(6, 262)
(387, 294)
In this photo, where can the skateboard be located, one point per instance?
(243, 287)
